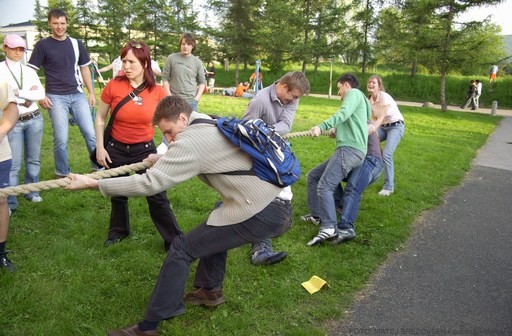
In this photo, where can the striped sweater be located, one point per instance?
(201, 150)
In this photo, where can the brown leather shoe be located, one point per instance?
(203, 297)
(132, 331)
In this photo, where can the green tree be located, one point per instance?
(236, 35)
(85, 21)
(113, 17)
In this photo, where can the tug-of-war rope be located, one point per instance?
(127, 169)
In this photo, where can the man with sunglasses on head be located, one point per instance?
(183, 73)
(276, 105)
(66, 68)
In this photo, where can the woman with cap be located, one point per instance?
(27, 134)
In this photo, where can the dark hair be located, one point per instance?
(189, 38)
(170, 108)
(296, 80)
(56, 13)
(350, 79)
(141, 51)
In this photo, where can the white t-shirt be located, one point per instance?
(393, 113)
(6, 96)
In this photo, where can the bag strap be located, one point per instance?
(131, 95)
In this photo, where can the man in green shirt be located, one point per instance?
(351, 126)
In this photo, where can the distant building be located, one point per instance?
(27, 30)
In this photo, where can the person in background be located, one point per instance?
(65, 62)
(8, 118)
(252, 81)
(478, 93)
(351, 127)
(239, 91)
(27, 134)
(183, 73)
(131, 140)
(117, 68)
(390, 126)
(251, 210)
(210, 75)
(493, 72)
(276, 105)
(470, 95)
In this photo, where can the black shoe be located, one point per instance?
(6, 263)
(112, 241)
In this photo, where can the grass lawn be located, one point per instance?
(67, 283)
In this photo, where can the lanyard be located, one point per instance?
(20, 83)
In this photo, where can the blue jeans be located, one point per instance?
(78, 105)
(392, 135)
(325, 178)
(25, 137)
(209, 244)
(358, 179)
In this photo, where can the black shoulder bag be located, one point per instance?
(108, 129)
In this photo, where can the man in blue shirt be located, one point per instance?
(66, 68)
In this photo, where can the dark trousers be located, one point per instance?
(210, 244)
(159, 206)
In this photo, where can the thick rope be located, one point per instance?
(64, 182)
(127, 169)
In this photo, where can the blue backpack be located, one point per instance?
(273, 160)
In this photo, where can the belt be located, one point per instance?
(29, 115)
(283, 201)
(393, 123)
(147, 144)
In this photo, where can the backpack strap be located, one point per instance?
(214, 122)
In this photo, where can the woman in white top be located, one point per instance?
(389, 123)
(27, 134)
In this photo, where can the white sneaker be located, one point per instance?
(323, 234)
(36, 199)
(385, 192)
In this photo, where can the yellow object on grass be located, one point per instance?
(314, 284)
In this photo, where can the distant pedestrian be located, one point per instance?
(478, 93)
(493, 72)
(470, 96)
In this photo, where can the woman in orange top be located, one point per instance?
(131, 139)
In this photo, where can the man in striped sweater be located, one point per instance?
(250, 210)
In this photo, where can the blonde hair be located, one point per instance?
(379, 80)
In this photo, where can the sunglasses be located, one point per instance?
(135, 45)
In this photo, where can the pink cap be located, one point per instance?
(14, 41)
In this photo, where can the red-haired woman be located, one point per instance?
(131, 138)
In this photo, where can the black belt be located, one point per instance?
(147, 144)
(393, 123)
(30, 115)
(282, 201)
